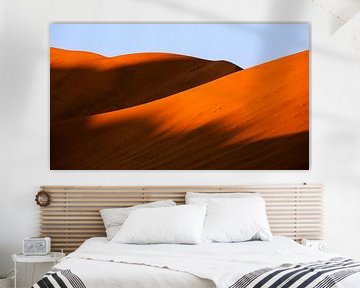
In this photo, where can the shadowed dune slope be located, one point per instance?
(254, 119)
(83, 83)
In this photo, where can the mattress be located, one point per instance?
(99, 263)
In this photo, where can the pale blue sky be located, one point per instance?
(243, 44)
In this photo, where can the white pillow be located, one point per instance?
(113, 218)
(236, 220)
(204, 198)
(180, 224)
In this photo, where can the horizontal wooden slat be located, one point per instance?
(94, 219)
(72, 226)
(72, 235)
(68, 245)
(73, 216)
(187, 188)
(79, 198)
(280, 210)
(76, 231)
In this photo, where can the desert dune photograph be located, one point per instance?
(157, 97)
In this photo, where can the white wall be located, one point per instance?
(24, 109)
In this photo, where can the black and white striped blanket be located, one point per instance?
(320, 274)
(57, 278)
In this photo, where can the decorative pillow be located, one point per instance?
(113, 218)
(203, 198)
(236, 220)
(172, 225)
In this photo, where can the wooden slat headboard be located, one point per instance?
(73, 215)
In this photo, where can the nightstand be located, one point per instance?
(52, 257)
(320, 245)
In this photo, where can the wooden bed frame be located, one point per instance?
(73, 214)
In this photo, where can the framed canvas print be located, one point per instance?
(221, 96)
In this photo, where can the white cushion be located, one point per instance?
(113, 218)
(181, 224)
(236, 220)
(204, 198)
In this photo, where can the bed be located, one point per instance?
(98, 263)
(295, 211)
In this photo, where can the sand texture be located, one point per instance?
(166, 111)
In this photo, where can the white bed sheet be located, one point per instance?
(111, 274)
(100, 263)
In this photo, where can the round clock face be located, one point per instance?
(40, 245)
(322, 247)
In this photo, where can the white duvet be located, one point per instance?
(100, 263)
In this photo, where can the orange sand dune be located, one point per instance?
(254, 119)
(83, 83)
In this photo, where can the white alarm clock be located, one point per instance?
(36, 246)
(320, 245)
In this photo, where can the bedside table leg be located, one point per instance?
(32, 274)
(15, 273)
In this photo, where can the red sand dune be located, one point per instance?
(84, 83)
(257, 118)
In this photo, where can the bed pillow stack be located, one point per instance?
(220, 217)
(233, 217)
(170, 225)
(114, 218)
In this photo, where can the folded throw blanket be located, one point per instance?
(319, 274)
(59, 278)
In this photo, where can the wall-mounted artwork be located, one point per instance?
(179, 96)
